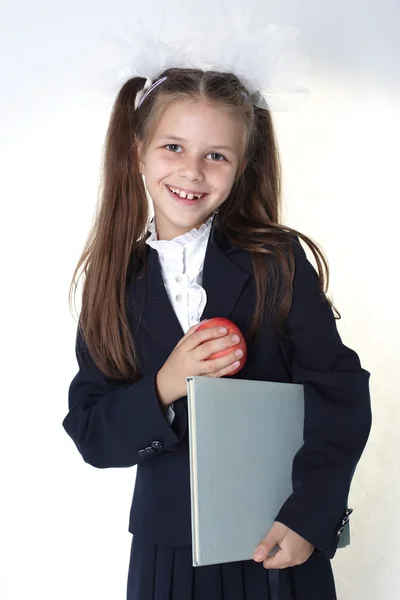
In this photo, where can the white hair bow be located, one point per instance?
(264, 57)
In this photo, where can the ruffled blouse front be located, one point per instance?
(181, 261)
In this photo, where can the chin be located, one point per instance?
(190, 223)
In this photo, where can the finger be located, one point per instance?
(285, 558)
(190, 332)
(265, 547)
(279, 560)
(225, 371)
(218, 367)
(198, 338)
(274, 537)
(205, 350)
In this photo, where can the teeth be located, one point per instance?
(183, 195)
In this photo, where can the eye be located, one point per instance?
(170, 145)
(214, 153)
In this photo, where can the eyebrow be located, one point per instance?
(179, 139)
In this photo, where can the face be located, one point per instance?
(195, 149)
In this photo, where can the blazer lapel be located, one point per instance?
(225, 273)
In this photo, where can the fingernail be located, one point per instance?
(259, 553)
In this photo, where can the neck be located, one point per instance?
(170, 233)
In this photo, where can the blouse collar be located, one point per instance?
(194, 236)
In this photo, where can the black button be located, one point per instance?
(150, 451)
(157, 445)
(142, 453)
(340, 531)
(346, 516)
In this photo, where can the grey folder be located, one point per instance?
(243, 436)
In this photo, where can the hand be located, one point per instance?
(293, 549)
(189, 357)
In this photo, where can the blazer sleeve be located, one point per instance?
(117, 424)
(337, 418)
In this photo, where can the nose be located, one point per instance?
(192, 169)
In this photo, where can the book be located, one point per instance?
(243, 436)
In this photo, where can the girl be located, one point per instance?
(215, 247)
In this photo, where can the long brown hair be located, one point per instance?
(249, 217)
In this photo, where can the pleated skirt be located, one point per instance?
(165, 573)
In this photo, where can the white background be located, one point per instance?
(64, 524)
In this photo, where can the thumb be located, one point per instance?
(265, 546)
(190, 331)
(194, 327)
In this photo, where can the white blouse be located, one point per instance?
(182, 260)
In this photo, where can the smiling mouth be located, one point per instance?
(185, 196)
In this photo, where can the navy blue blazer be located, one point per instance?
(119, 424)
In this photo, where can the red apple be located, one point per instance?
(232, 329)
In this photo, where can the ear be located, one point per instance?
(241, 168)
